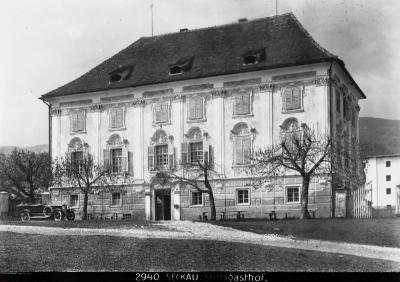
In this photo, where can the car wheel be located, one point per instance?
(58, 215)
(47, 211)
(25, 216)
(70, 215)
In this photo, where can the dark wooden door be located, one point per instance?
(163, 204)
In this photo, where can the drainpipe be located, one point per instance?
(50, 128)
(333, 195)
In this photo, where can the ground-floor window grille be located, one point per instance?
(243, 196)
(116, 199)
(197, 198)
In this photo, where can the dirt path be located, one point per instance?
(205, 231)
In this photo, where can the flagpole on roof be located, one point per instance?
(276, 7)
(151, 10)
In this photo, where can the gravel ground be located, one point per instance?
(205, 231)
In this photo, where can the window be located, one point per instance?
(242, 147)
(388, 191)
(197, 199)
(353, 118)
(121, 73)
(388, 178)
(387, 163)
(243, 197)
(292, 194)
(116, 160)
(116, 117)
(116, 199)
(161, 152)
(74, 201)
(161, 113)
(77, 121)
(196, 152)
(292, 99)
(182, 65)
(242, 103)
(196, 108)
(77, 161)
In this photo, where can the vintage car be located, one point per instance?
(39, 211)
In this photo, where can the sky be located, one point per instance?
(47, 43)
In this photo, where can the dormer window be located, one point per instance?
(175, 70)
(121, 73)
(253, 57)
(182, 65)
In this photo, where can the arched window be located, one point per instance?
(116, 156)
(195, 149)
(161, 151)
(241, 144)
(76, 153)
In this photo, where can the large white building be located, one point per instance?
(217, 93)
(383, 179)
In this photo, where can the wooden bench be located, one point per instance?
(272, 214)
(239, 215)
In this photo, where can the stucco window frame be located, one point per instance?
(286, 194)
(123, 127)
(78, 201)
(202, 199)
(237, 189)
(238, 92)
(111, 200)
(154, 107)
(297, 110)
(191, 120)
(77, 111)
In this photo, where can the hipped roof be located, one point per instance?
(215, 51)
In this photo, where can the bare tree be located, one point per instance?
(196, 175)
(88, 176)
(25, 173)
(301, 150)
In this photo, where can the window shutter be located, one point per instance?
(106, 159)
(119, 117)
(296, 98)
(246, 103)
(82, 120)
(236, 103)
(246, 144)
(125, 153)
(165, 112)
(150, 156)
(113, 118)
(238, 153)
(192, 108)
(206, 152)
(199, 108)
(74, 122)
(184, 153)
(130, 163)
(171, 156)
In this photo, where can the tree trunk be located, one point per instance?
(304, 198)
(212, 205)
(85, 204)
(31, 197)
(333, 202)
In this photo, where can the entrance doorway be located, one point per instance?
(163, 204)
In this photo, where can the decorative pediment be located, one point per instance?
(240, 128)
(116, 140)
(161, 137)
(194, 133)
(76, 145)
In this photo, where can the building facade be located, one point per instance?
(215, 93)
(382, 176)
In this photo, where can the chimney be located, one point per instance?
(242, 20)
(183, 30)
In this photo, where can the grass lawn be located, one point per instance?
(380, 232)
(104, 224)
(26, 253)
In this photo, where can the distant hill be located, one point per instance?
(37, 148)
(380, 136)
